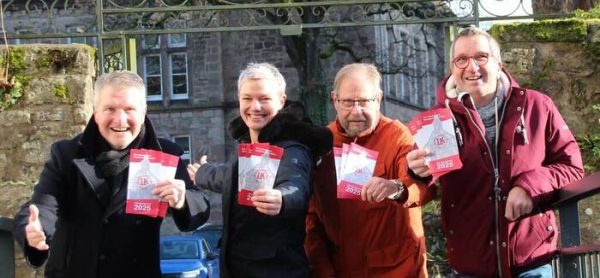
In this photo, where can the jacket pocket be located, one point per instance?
(535, 238)
(393, 255)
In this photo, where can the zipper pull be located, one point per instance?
(458, 136)
(523, 129)
(497, 189)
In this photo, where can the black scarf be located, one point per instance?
(112, 162)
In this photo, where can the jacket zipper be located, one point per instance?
(497, 190)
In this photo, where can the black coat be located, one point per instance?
(261, 245)
(89, 237)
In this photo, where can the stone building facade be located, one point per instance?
(192, 77)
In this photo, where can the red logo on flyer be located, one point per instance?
(261, 174)
(440, 140)
(143, 181)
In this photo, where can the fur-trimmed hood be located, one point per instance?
(291, 123)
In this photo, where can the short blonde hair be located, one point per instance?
(369, 70)
(257, 71)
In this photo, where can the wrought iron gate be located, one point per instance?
(111, 24)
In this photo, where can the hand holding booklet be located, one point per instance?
(146, 168)
(257, 168)
(434, 130)
(354, 168)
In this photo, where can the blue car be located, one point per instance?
(212, 233)
(187, 256)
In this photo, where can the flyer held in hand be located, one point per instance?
(146, 168)
(434, 130)
(258, 165)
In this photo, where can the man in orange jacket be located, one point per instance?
(380, 235)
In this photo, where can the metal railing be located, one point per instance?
(576, 260)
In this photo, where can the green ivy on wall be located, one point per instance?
(10, 93)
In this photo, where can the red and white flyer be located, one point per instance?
(168, 171)
(244, 165)
(143, 168)
(356, 172)
(434, 131)
(337, 156)
(259, 172)
(146, 169)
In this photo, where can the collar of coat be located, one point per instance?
(91, 133)
(291, 123)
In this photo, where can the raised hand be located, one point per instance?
(193, 168)
(33, 231)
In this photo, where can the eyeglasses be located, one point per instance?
(462, 62)
(349, 103)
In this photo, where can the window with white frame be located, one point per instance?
(179, 88)
(165, 66)
(153, 77)
(185, 143)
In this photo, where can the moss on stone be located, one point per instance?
(44, 61)
(90, 50)
(593, 13)
(16, 59)
(24, 79)
(61, 91)
(566, 30)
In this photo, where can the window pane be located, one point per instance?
(177, 40)
(153, 65)
(151, 41)
(178, 63)
(179, 84)
(184, 143)
(153, 86)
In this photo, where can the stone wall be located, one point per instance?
(56, 104)
(561, 58)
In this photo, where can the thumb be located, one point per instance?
(34, 213)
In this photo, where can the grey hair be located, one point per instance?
(473, 31)
(257, 71)
(369, 70)
(118, 79)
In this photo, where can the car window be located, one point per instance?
(205, 248)
(180, 249)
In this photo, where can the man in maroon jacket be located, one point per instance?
(516, 150)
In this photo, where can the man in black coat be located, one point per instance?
(76, 217)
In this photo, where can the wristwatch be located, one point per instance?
(400, 189)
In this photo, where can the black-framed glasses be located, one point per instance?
(349, 103)
(462, 62)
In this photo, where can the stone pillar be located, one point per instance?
(55, 103)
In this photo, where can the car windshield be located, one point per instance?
(181, 249)
(212, 234)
